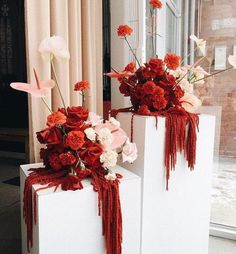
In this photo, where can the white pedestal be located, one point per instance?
(68, 221)
(174, 221)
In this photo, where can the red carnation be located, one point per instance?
(158, 99)
(130, 67)
(156, 4)
(75, 140)
(172, 61)
(71, 182)
(155, 64)
(124, 30)
(143, 110)
(67, 158)
(149, 87)
(82, 85)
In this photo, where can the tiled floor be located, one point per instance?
(10, 242)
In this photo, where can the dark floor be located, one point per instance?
(10, 234)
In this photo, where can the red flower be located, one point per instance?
(159, 101)
(75, 140)
(172, 61)
(91, 154)
(124, 88)
(156, 65)
(50, 136)
(156, 4)
(78, 112)
(124, 30)
(54, 161)
(130, 67)
(143, 110)
(67, 158)
(82, 85)
(149, 87)
(71, 182)
(56, 118)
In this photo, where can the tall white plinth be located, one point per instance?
(174, 221)
(68, 221)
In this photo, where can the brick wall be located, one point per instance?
(221, 90)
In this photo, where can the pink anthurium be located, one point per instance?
(40, 89)
(116, 74)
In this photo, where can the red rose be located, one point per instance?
(67, 158)
(143, 110)
(130, 67)
(124, 30)
(149, 87)
(78, 112)
(56, 118)
(54, 161)
(172, 61)
(91, 154)
(75, 140)
(156, 4)
(50, 136)
(82, 85)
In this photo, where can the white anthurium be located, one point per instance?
(232, 61)
(113, 121)
(54, 46)
(110, 176)
(190, 102)
(201, 44)
(90, 134)
(109, 158)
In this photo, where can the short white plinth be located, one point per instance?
(68, 221)
(174, 221)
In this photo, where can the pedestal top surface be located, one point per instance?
(126, 175)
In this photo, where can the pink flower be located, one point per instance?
(119, 75)
(40, 89)
(119, 136)
(190, 102)
(129, 152)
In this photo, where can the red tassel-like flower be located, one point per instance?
(124, 30)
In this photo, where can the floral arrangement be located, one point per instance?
(77, 144)
(162, 87)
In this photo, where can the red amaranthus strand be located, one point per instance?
(108, 197)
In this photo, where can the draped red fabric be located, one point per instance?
(108, 203)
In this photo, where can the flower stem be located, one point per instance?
(57, 84)
(132, 51)
(45, 103)
(213, 74)
(191, 69)
(188, 55)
